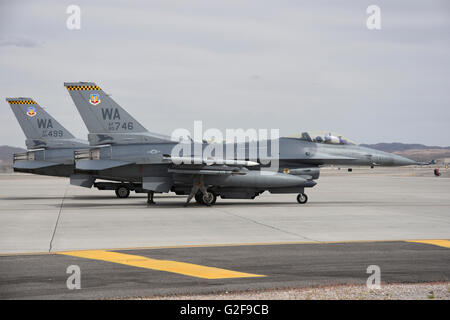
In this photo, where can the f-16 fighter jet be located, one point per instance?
(124, 149)
(51, 147)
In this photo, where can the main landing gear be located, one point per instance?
(302, 198)
(122, 192)
(209, 199)
(199, 191)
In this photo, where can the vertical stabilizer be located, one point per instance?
(106, 121)
(39, 127)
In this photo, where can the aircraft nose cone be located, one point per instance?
(402, 161)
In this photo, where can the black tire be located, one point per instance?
(199, 198)
(210, 199)
(122, 192)
(302, 198)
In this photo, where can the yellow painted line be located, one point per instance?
(188, 269)
(242, 244)
(440, 243)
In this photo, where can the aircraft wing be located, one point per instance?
(182, 165)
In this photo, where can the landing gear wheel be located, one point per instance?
(302, 198)
(122, 192)
(209, 199)
(199, 198)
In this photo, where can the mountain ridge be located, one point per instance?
(399, 146)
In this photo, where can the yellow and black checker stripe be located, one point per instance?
(21, 102)
(83, 88)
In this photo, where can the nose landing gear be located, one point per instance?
(302, 198)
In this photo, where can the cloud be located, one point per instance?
(296, 66)
(20, 41)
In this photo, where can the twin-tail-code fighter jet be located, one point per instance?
(123, 150)
(51, 147)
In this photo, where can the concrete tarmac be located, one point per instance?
(234, 245)
(45, 214)
(43, 276)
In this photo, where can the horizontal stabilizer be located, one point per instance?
(157, 184)
(34, 164)
(82, 180)
(98, 165)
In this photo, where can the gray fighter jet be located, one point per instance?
(122, 149)
(51, 147)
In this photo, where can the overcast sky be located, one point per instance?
(292, 65)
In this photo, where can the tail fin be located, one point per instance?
(107, 122)
(40, 128)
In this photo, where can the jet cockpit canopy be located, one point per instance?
(324, 137)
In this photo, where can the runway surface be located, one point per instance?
(198, 249)
(39, 214)
(150, 272)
